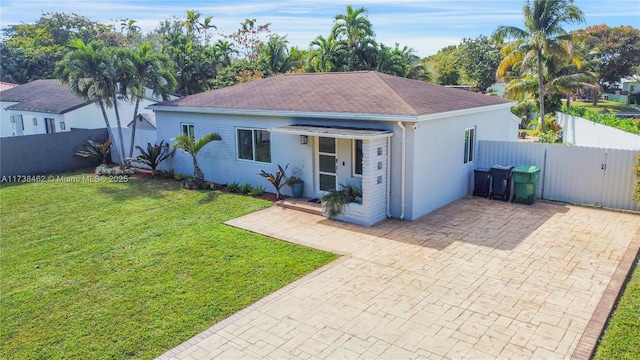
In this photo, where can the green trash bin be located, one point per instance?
(525, 179)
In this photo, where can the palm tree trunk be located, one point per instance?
(133, 130)
(541, 90)
(198, 175)
(106, 120)
(122, 150)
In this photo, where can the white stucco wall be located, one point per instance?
(436, 172)
(86, 117)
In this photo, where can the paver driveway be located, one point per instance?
(476, 279)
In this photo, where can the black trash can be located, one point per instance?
(501, 182)
(481, 182)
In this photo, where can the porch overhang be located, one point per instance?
(333, 132)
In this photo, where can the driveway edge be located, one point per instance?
(596, 326)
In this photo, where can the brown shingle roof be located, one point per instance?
(366, 92)
(48, 96)
(5, 85)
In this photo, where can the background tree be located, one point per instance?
(355, 32)
(479, 58)
(445, 65)
(45, 42)
(542, 37)
(192, 147)
(616, 48)
(250, 37)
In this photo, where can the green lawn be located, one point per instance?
(128, 270)
(621, 339)
(607, 107)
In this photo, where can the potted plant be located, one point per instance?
(334, 202)
(295, 182)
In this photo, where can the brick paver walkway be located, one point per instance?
(477, 279)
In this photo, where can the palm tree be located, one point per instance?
(224, 51)
(146, 68)
(322, 53)
(276, 54)
(356, 31)
(192, 147)
(542, 37)
(90, 71)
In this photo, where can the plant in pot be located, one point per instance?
(334, 202)
(295, 182)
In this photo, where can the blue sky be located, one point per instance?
(426, 25)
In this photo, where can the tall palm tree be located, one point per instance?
(91, 71)
(192, 147)
(542, 36)
(356, 31)
(145, 68)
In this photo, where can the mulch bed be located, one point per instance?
(145, 174)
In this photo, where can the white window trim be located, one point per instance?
(354, 158)
(182, 124)
(253, 145)
(472, 146)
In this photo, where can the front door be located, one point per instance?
(327, 164)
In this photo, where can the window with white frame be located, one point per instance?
(357, 158)
(189, 129)
(469, 144)
(253, 144)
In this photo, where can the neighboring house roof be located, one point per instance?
(48, 96)
(149, 118)
(5, 85)
(363, 92)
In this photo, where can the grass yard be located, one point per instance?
(99, 270)
(607, 107)
(621, 339)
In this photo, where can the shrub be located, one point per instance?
(233, 187)
(154, 155)
(257, 191)
(246, 188)
(104, 170)
(628, 125)
(93, 149)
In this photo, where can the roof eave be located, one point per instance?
(283, 113)
(473, 110)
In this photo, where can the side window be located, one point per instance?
(469, 144)
(253, 145)
(189, 129)
(357, 157)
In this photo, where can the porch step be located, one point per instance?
(302, 204)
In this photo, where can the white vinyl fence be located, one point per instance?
(582, 132)
(142, 138)
(584, 175)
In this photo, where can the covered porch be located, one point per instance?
(347, 156)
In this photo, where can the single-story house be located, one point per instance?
(48, 106)
(409, 145)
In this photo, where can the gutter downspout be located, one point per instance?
(403, 173)
(388, 177)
